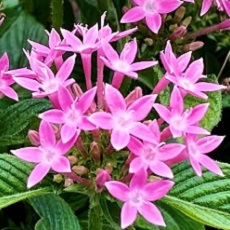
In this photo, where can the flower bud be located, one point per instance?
(58, 178)
(148, 41)
(72, 160)
(133, 95)
(193, 46)
(95, 149)
(80, 170)
(179, 14)
(187, 21)
(34, 137)
(109, 167)
(179, 32)
(68, 182)
(102, 177)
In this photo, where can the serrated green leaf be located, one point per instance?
(14, 35)
(13, 177)
(55, 213)
(16, 119)
(204, 199)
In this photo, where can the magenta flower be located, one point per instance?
(151, 10)
(49, 155)
(71, 114)
(222, 5)
(153, 155)
(180, 121)
(184, 76)
(123, 120)
(6, 79)
(197, 150)
(138, 198)
(124, 65)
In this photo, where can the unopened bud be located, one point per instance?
(95, 149)
(187, 21)
(68, 182)
(58, 178)
(148, 41)
(34, 137)
(193, 46)
(72, 160)
(102, 177)
(133, 95)
(179, 14)
(179, 32)
(124, 9)
(109, 167)
(80, 170)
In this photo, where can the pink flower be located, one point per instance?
(222, 5)
(138, 198)
(180, 121)
(153, 155)
(124, 65)
(151, 10)
(124, 121)
(71, 114)
(49, 155)
(197, 150)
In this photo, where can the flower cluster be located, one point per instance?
(97, 125)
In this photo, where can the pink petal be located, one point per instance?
(139, 179)
(27, 83)
(62, 165)
(118, 190)
(161, 169)
(210, 164)
(142, 131)
(85, 124)
(197, 113)
(167, 6)
(129, 52)
(137, 164)
(151, 213)
(209, 143)
(163, 111)
(155, 129)
(102, 120)
(30, 154)
(141, 107)
(4, 62)
(133, 15)
(109, 52)
(206, 87)
(65, 98)
(37, 174)
(154, 21)
(119, 139)
(39, 48)
(142, 65)
(91, 36)
(71, 39)
(114, 99)
(184, 60)
(131, 74)
(9, 92)
(63, 148)
(54, 39)
(66, 69)
(205, 6)
(135, 146)
(46, 134)
(86, 100)
(176, 101)
(128, 215)
(196, 166)
(196, 130)
(54, 116)
(157, 189)
(67, 132)
(169, 151)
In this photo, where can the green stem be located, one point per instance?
(57, 14)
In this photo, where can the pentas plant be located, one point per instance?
(108, 143)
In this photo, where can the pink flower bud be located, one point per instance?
(179, 32)
(80, 170)
(102, 177)
(34, 137)
(193, 46)
(68, 182)
(95, 149)
(133, 95)
(1, 20)
(72, 159)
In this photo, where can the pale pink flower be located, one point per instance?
(123, 64)
(153, 155)
(198, 148)
(180, 121)
(49, 155)
(6, 79)
(71, 114)
(151, 10)
(124, 121)
(221, 5)
(138, 198)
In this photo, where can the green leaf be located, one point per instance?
(226, 101)
(57, 14)
(13, 177)
(15, 32)
(55, 213)
(16, 118)
(204, 199)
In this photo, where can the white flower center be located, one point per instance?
(136, 197)
(121, 66)
(178, 122)
(72, 116)
(50, 86)
(186, 84)
(150, 6)
(50, 155)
